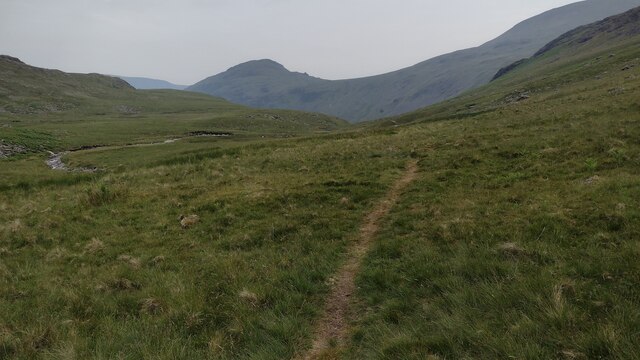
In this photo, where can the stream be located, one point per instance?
(55, 159)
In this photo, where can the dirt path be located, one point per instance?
(332, 328)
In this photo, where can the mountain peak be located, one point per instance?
(258, 67)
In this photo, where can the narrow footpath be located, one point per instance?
(332, 329)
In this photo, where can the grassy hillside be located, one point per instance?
(50, 109)
(519, 241)
(518, 238)
(268, 84)
(585, 58)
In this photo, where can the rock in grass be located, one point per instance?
(592, 180)
(7, 150)
(188, 221)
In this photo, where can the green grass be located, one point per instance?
(272, 225)
(519, 239)
(68, 131)
(507, 249)
(50, 110)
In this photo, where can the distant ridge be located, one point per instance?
(267, 84)
(142, 83)
(28, 92)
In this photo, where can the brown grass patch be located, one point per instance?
(124, 284)
(4, 271)
(158, 260)
(512, 250)
(94, 246)
(572, 355)
(592, 180)
(38, 339)
(57, 254)
(217, 342)
(151, 306)
(130, 260)
(193, 320)
(15, 225)
(249, 297)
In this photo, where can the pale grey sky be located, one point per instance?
(184, 41)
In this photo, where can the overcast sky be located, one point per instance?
(184, 41)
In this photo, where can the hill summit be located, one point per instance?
(257, 67)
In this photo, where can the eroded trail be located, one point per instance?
(332, 328)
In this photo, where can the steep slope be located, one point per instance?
(600, 35)
(603, 33)
(142, 83)
(434, 80)
(589, 57)
(27, 89)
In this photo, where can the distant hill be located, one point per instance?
(26, 89)
(143, 83)
(28, 92)
(265, 83)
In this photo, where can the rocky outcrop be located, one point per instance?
(7, 150)
(10, 58)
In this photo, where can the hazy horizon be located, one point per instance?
(186, 41)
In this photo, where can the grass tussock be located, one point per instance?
(104, 194)
(94, 246)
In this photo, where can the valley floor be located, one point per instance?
(525, 248)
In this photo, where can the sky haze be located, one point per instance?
(184, 41)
